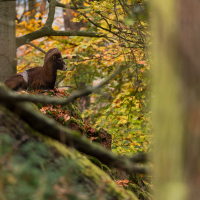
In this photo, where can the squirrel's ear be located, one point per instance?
(54, 57)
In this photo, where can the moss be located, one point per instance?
(140, 193)
(89, 175)
(106, 169)
(61, 119)
(73, 111)
(39, 105)
(98, 140)
(99, 164)
(55, 106)
(94, 160)
(49, 112)
(98, 177)
(66, 92)
(78, 122)
(50, 93)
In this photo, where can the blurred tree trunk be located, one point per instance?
(31, 6)
(84, 101)
(68, 15)
(7, 40)
(176, 106)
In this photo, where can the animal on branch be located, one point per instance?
(43, 78)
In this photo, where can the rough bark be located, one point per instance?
(7, 41)
(177, 95)
(189, 48)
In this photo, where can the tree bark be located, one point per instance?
(7, 41)
(176, 107)
(189, 48)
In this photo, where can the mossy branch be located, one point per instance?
(48, 31)
(51, 128)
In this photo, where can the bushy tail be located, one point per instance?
(15, 82)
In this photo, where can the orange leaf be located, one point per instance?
(38, 4)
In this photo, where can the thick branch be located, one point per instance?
(49, 127)
(50, 19)
(48, 31)
(8, 96)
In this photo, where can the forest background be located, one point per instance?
(114, 36)
(96, 39)
(121, 106)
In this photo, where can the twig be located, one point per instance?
(38, 48)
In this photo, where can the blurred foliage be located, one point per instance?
(122, 106)
(30, 171)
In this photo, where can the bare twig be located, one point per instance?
(38, 48)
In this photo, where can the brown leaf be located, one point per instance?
(93, 138)
(93, 130)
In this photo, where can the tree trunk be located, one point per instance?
(176, 107)
(68, 15)
(7, 40)
(31, 5)
(84, 101)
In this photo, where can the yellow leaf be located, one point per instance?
(117, 106)
(56, 28)
(65, 1)
(124, 121)
(110, 35)
(38, 4)
(27, 13)
(68, 72)
(38, 15)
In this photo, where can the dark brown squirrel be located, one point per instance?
(43, 78)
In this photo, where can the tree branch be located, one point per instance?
(97, 25)
(48, 31)
(8, 96)
(49, 127)
(50, 18)
(38, 48)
